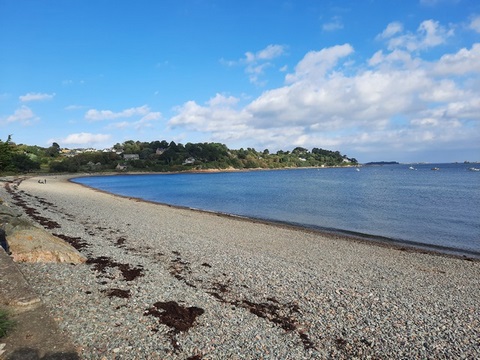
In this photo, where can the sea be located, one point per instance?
(427, 206)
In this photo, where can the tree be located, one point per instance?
(299, 150)
(6, 153)
(242, 154)
(53, 151)
(24, 163)
(14, 158)
(118, 147)
(146, 153)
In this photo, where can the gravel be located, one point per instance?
(169, 283)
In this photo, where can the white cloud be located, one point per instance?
(396, 58)
(395, 101)
(463, 62)
(334, 24)
(143, 111)
(257, 62)
(219, 115)
(84, 139)
(255, 72)
(146, 121)
(445, 91)
(36, 97)
(151, 116)
(316, 64)
(147, 118)
(433, 34)
(392, 29)
(269, 53)
(429, 34)
(23, 115)
(221, 100)
(119, 125)
(475, 24)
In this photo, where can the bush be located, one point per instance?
(5, 323)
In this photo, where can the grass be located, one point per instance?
(5, 323)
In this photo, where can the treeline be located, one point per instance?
(159, 156)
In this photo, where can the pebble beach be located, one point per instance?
(169, 283)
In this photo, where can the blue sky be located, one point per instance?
(373, 79)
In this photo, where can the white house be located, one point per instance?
(131, 157)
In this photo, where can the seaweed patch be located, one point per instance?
(76, 242)
(175, 316)
(33, 213)
(120, 293)
(128, 272)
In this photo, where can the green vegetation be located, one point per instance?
(17, 158)
(158, 156)
(5, 323)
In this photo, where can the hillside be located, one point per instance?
(161, 156)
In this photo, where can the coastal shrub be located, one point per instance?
(6, 324)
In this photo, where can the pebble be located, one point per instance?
(348, 299)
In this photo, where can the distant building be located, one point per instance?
(111, 150)
(67, 152)
(189, 161)
(73, 152)
(131, 157)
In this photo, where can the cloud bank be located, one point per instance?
(80, 139)
(395, 100)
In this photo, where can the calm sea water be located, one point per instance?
(433, 209)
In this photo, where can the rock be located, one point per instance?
(28, 243)
(37, 245)
(8, 212)
(11, 220)
(11, 225)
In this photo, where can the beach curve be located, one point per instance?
(263, 291)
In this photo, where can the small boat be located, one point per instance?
(411, 168)
(357, 169)
(435, 168)
(474, 169)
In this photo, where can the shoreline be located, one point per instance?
(253, 290)
(369, 239)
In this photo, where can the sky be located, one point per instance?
(377, 80)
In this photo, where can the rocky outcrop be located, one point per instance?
(28, 243)
(37, 245)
